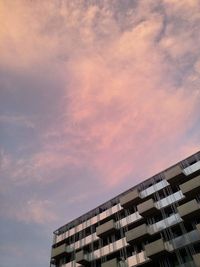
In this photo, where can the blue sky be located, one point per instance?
(94, 97)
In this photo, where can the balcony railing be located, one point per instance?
(140, 259)
(192, 168)
(192, 187)
(55, 252)
(153, 188)
(137, 234)
(156, 248)
(174, 174)
(147, 208)
(106, 228)
(130, 198)
(189, 209)
(82, 257)
(184, 240)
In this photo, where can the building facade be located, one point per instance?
(155, 223)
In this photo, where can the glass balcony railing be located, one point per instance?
(192, 168)
(165, 223)
(154, 188)
(184, 240)
(173, 198)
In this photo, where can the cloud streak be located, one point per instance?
(31, 212)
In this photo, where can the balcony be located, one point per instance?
(147, 208)
(137, 234)
(106, 228)
(174, 174)
(191, 188)
(156, 187)
(130, 198)
(156, 249)
(189, 209)
(138, 259)
(196, 258)
(110, 263)
(55, 252)
(82, 258)
(192, 169)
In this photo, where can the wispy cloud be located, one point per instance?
(17, 120)
(33, 211)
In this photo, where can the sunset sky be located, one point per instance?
(95, 96)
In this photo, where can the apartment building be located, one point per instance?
(155, 223)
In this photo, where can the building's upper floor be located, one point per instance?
(126, 228)
(174, 174)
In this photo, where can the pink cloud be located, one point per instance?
(125, 106)
(121, 106)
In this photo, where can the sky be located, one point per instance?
(95, 96)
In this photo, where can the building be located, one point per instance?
(155, 223)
